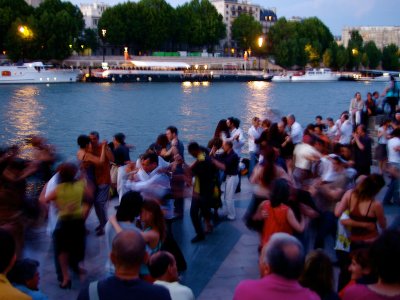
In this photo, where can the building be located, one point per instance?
(34, 3)
(92, 13)
(230, 10)
(267, 18)
(381, 35)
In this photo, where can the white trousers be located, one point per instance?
(230, 188)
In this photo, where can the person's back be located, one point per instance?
(127, 255)
(281, 263)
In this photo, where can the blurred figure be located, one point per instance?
(391, 93)
(356, 109)
(318, 275)
(70, 233)
(253, 133)
(7, 260)
(128, 254)
(385, 259)
(25, 277)
(163, 268)
(281, 263)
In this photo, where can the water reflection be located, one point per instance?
(24, 114)
(257, 102)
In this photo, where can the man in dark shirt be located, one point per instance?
(204, 173)
(362, 145)
(127, 254)
(229, 163)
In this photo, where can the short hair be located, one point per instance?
(129, 248)
(67, 172)
(329, 119)
(319, 117)
(281, 259)
(193, 146)
(363, 128)
(384, 256)
(173, 129)
(7, 249)
(159, 263)
(83, 140)
(23, 270)
(150, 156)
(95, 133)
(236, 122)
(120, 138)
(291, 116)
(130, 206)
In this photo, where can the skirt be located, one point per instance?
(381, 152)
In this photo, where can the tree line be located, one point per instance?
(55, 29)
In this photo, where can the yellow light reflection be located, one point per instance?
(25, 114)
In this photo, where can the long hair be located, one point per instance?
(369, 187)
(318, 273)
(269, 172)
(221, 127)
(280, 192)
(158, 221)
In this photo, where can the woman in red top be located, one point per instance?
(277, 216)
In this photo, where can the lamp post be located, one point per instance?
(260, 44)
(26, 33)
(103, 32)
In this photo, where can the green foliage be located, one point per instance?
(342, 57)
(10, 10)
(89, 39)
(390, 58)
(355, 50)
(308, 41)
(245, 31)
(373, 53)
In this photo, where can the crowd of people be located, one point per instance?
(313, 190)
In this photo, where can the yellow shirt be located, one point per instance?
(69, 199)
(8, 292)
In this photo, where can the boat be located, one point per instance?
(37, 72)
(316, 75)
(282, 78)
(162, 71)
(385, 77)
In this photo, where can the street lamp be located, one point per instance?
(103, 32)
(26, 33)
(260, 44)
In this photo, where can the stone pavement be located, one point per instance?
(215, 266)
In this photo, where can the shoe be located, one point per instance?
(197, 238)
(100, 232)
(66, 286)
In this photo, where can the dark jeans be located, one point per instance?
(326, 225)
(100, 203)
(199, 207)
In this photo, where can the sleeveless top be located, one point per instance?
(144, 270)
(362, 234)
(275, 222)
(69, 199)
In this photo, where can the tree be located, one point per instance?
(245, 31)
(355, 48)
(90, 39)
(390, 58)
(342, 57)
(10, 10)
(58, 24)
(327, 58)
(373, 53)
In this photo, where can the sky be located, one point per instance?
(335, 14)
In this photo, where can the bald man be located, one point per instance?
(127, 254)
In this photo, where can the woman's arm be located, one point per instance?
(113, 221)
(151, 237)
(343, 204)
(50, 197)
(296, 225)
(380, 215)
(261, 213)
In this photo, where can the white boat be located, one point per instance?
(385, 78)
(36, 72)
(317, 75)
(282, 78)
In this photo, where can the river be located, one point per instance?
(61, 112)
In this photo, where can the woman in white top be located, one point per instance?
(383, 136)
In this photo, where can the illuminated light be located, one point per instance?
(196, 66)
(260, 41)
(48, 79)
(205, 67)
(205, 83)
(87, 75)
(212, 73)
(103, 32)
(196, 83)
(55, 78)
(41, 79)
(187, 84)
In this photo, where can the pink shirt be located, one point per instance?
(272, 287)
(362, 292)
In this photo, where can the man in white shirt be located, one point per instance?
(345, 130)
(149, 180)
(296, 131)
(236, 136)
(162, 266)
(254, 133)
(393, 146)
